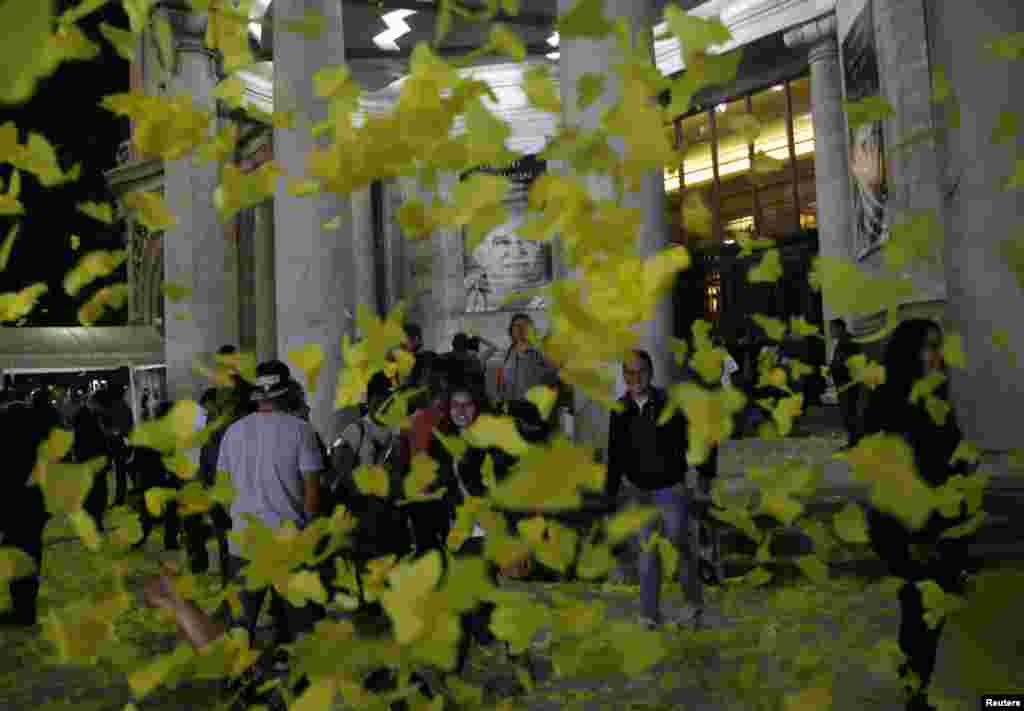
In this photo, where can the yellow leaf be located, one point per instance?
(585, 19)
(697, 218)
(8, 246)
(372, 480)
(422, 474)
(768, 270)
(239, 190)
(309, 359)
(123, 41)
(953, 350)
(83, 524)
(109, 297)
(886, 462)
(504, 41)
(16, 305)
(76, 242)
(311, 25)
(333, 225)
(231, 91)
(850, 524)
(93, 266)
(15, 563)
(144, 680)
(150, 210)
(102, 212)
(176, 292)
(541, 90)
(772, 327)
(24, 65)
(490, 431)
(817, 698)
(543, 398)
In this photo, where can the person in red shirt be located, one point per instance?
(429, 520)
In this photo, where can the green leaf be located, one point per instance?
(695, 33)
(938, 604)
(1009, 47)
(585, 19)
(589, 88)
(813, 567)
(1016, 181)
(868, 110)
(916, 238)
(1008, 127)
(768, 270)
(851, 525)
(941, 88)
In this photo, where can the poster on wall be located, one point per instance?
(504, 264)
(866, 142)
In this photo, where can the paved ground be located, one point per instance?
(699, 673)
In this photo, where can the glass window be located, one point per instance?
(760, 190)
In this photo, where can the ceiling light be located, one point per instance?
(553, 56)
(396, 27)
(553, 40)
(778, 87)
(720, 108)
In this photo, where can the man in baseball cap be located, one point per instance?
(275, 465)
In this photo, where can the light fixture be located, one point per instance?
(553, 40)
(720, 108)
(553, 56)
(778, 87)
(396, 27)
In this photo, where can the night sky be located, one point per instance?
(65, 109)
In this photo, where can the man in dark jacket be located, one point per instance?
(23, 514)
(848, 392)
(653, 458)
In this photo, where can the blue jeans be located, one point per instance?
(674, 521)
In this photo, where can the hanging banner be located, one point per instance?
(866, 142)
(504, 264)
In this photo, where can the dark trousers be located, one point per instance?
(431, 521)
(918, 642)
(289, 621)
(25, 532)
(475, 623)
(849, 409)
(96, 500)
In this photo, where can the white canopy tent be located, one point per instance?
(76, 349)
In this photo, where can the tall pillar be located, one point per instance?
(313, 266)
(263, 276)
(447, 276)
(582, 56)
(196, 253)
(363, 250)
(831, 164)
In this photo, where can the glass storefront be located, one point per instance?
(749, 164)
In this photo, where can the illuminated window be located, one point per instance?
(755, 183)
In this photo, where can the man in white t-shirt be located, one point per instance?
(275, 465)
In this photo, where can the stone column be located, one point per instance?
(447, 277)
(263, 276)
(363, 250)
(831, 164)
(196, 253)
(578, 57)
(313, 266)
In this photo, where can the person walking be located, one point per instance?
(849, 393)
(915, 350)
(653, 458)
(275, 466)
(524, 366)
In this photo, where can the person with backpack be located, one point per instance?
(382, 528)
(850, 394)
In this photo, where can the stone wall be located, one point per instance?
(979, 214)
(912, 175)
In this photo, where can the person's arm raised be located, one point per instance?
(194, 625)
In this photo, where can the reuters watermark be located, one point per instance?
(1002, 701)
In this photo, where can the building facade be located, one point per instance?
(275, 278)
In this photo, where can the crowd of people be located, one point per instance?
(282, 471)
